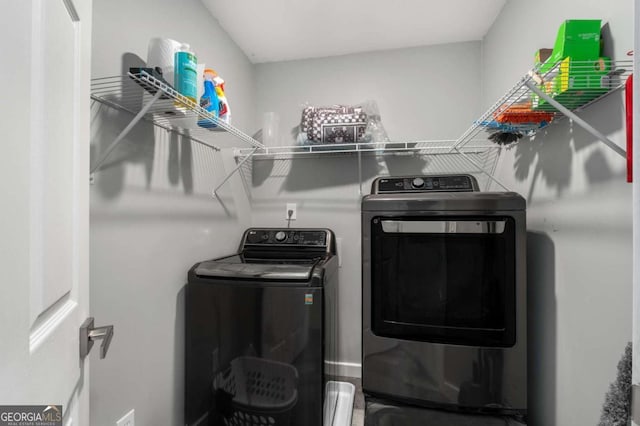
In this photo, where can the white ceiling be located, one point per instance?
(278, 30)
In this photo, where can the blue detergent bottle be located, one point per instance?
(209, 100)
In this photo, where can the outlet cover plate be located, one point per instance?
(127, 420)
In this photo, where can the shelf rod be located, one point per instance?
(579, 121)
(125, 131)
(244, 160)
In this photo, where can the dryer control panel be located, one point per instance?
(408, 184)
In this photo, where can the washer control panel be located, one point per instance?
(289, 237)
(408, 184)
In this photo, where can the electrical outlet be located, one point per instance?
(127, 420)
(293, 208)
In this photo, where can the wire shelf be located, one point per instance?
(169, 110)
(573, 84)
(480, 157)
(420, 147)
(543, 96)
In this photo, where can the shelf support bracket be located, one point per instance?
(125, 131)
(214, 193)
(579, 121)
(359, 172)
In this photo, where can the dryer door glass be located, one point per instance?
(448, 280)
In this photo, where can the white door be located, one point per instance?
(44, 205)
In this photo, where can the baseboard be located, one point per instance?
(345, 369)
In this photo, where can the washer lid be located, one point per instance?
(239, 267)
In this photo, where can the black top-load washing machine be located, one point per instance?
(255, 330)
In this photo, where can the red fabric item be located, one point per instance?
(629, 107)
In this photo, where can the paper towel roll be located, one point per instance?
(160, 54)
(201, 68)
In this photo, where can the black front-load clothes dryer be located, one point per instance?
(256, 339)
(444, 314)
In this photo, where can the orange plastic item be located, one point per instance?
(522, 113)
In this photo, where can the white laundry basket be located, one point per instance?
(262, 392)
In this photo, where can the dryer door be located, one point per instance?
(444, 279)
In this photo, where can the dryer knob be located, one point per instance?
(417, 183)
(281, 236)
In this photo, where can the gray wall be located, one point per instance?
(152, 216)
(422, 93)
(579, 215)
